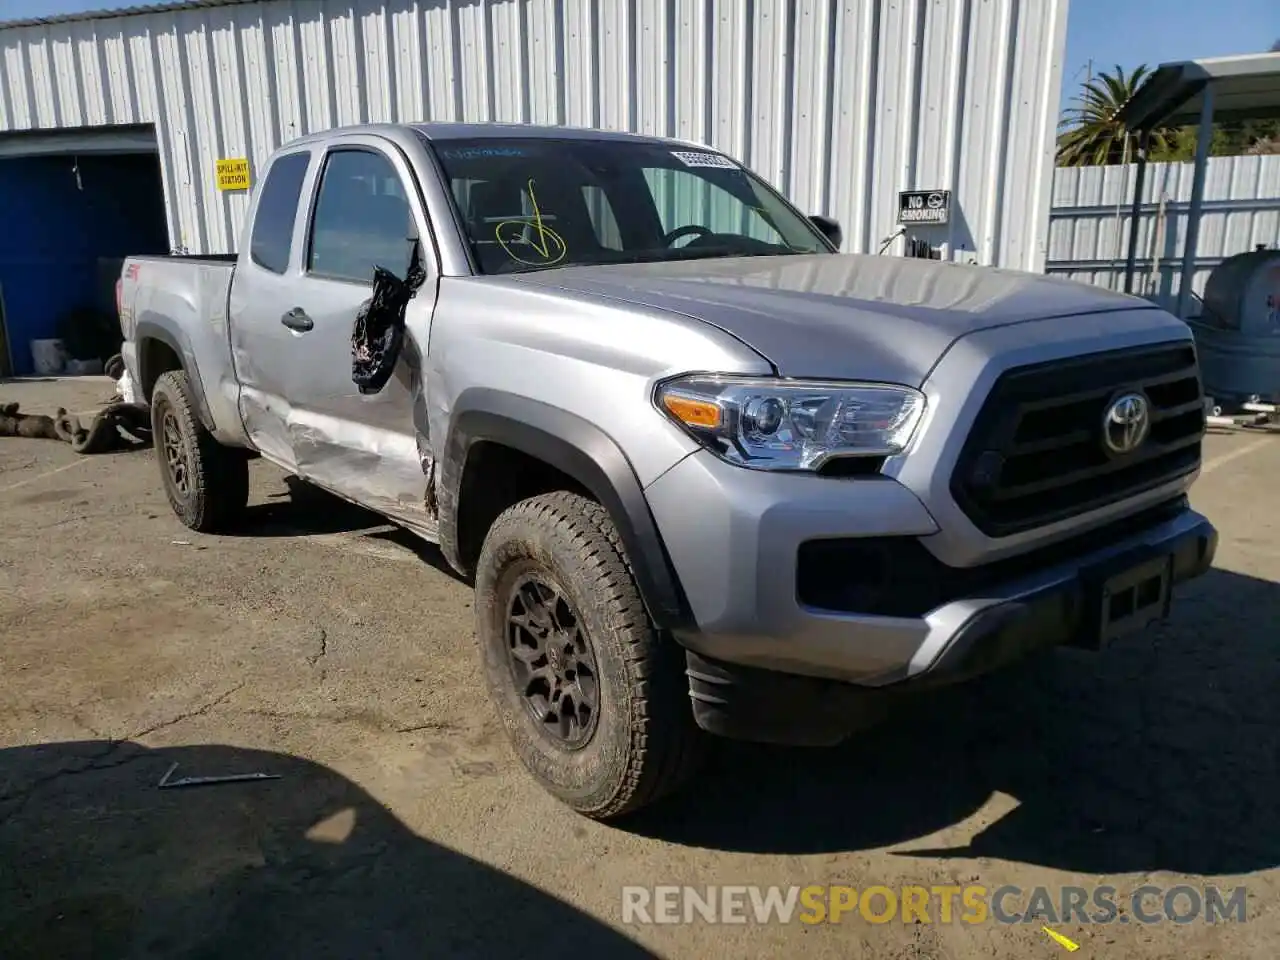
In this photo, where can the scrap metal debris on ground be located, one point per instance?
(123, 423)
(117, 426)
(167, 784)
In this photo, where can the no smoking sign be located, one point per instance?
(924, 206)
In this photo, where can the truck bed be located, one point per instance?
(181, 301)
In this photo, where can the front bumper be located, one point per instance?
(737, 559)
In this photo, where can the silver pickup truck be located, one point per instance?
(706, 473)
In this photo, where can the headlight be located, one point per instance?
(770, 424)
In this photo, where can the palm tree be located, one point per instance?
(1268, 144)
(1090, 134)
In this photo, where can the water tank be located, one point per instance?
(1238, 335)
(1243, 293)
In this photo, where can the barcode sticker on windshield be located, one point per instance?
(690, 159)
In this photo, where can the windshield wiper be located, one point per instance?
(662, 255)
(698, 253)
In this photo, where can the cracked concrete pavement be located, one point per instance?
(324, 646)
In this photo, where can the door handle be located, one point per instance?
(297, 319)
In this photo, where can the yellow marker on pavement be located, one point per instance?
(1071, 945)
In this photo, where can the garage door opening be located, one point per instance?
(75, 204)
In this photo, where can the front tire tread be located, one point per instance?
(665, 744)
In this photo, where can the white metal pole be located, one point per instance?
(1203, 139)
(1157, 245)
(1115, 256)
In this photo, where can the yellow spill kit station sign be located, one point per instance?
(233, 173)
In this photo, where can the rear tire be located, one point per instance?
(621, 735)
(207, 484)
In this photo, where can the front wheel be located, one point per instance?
(207, 484)
(592, 697)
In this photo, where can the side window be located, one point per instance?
(603, 221)
(272, 238)
(361, 218)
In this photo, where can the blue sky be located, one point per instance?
(1131, 32)
(1126, 32)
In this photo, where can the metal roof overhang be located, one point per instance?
(1244, 88)
(134, 138)
(1199, 92)
(112, 13)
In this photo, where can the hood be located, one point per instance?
(841, 316)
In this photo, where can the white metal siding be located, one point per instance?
(840, 103)
(1088, 242)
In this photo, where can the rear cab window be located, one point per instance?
(271, 243)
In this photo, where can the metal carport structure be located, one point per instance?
(1201, 92)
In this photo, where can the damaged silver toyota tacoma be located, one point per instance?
(706, 473)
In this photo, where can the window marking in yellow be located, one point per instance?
(549, 244)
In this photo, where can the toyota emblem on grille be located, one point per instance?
(1126, 423)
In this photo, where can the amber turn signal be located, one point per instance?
(693, 413)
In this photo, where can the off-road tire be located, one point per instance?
(217, 477)
(645, 744)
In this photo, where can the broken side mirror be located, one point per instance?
(829, 228)
(379, 331)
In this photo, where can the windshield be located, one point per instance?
(533, 203)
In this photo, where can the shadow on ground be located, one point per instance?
(305, 509)
(1161, 754)
(96, 861)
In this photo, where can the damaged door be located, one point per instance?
(265, 278)
(361, 215)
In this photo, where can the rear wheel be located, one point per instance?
(592, 696)
(207, 483)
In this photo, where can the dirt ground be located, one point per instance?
(328, 649)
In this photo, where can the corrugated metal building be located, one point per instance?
(839, 103)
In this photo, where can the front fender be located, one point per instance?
(580, 450)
